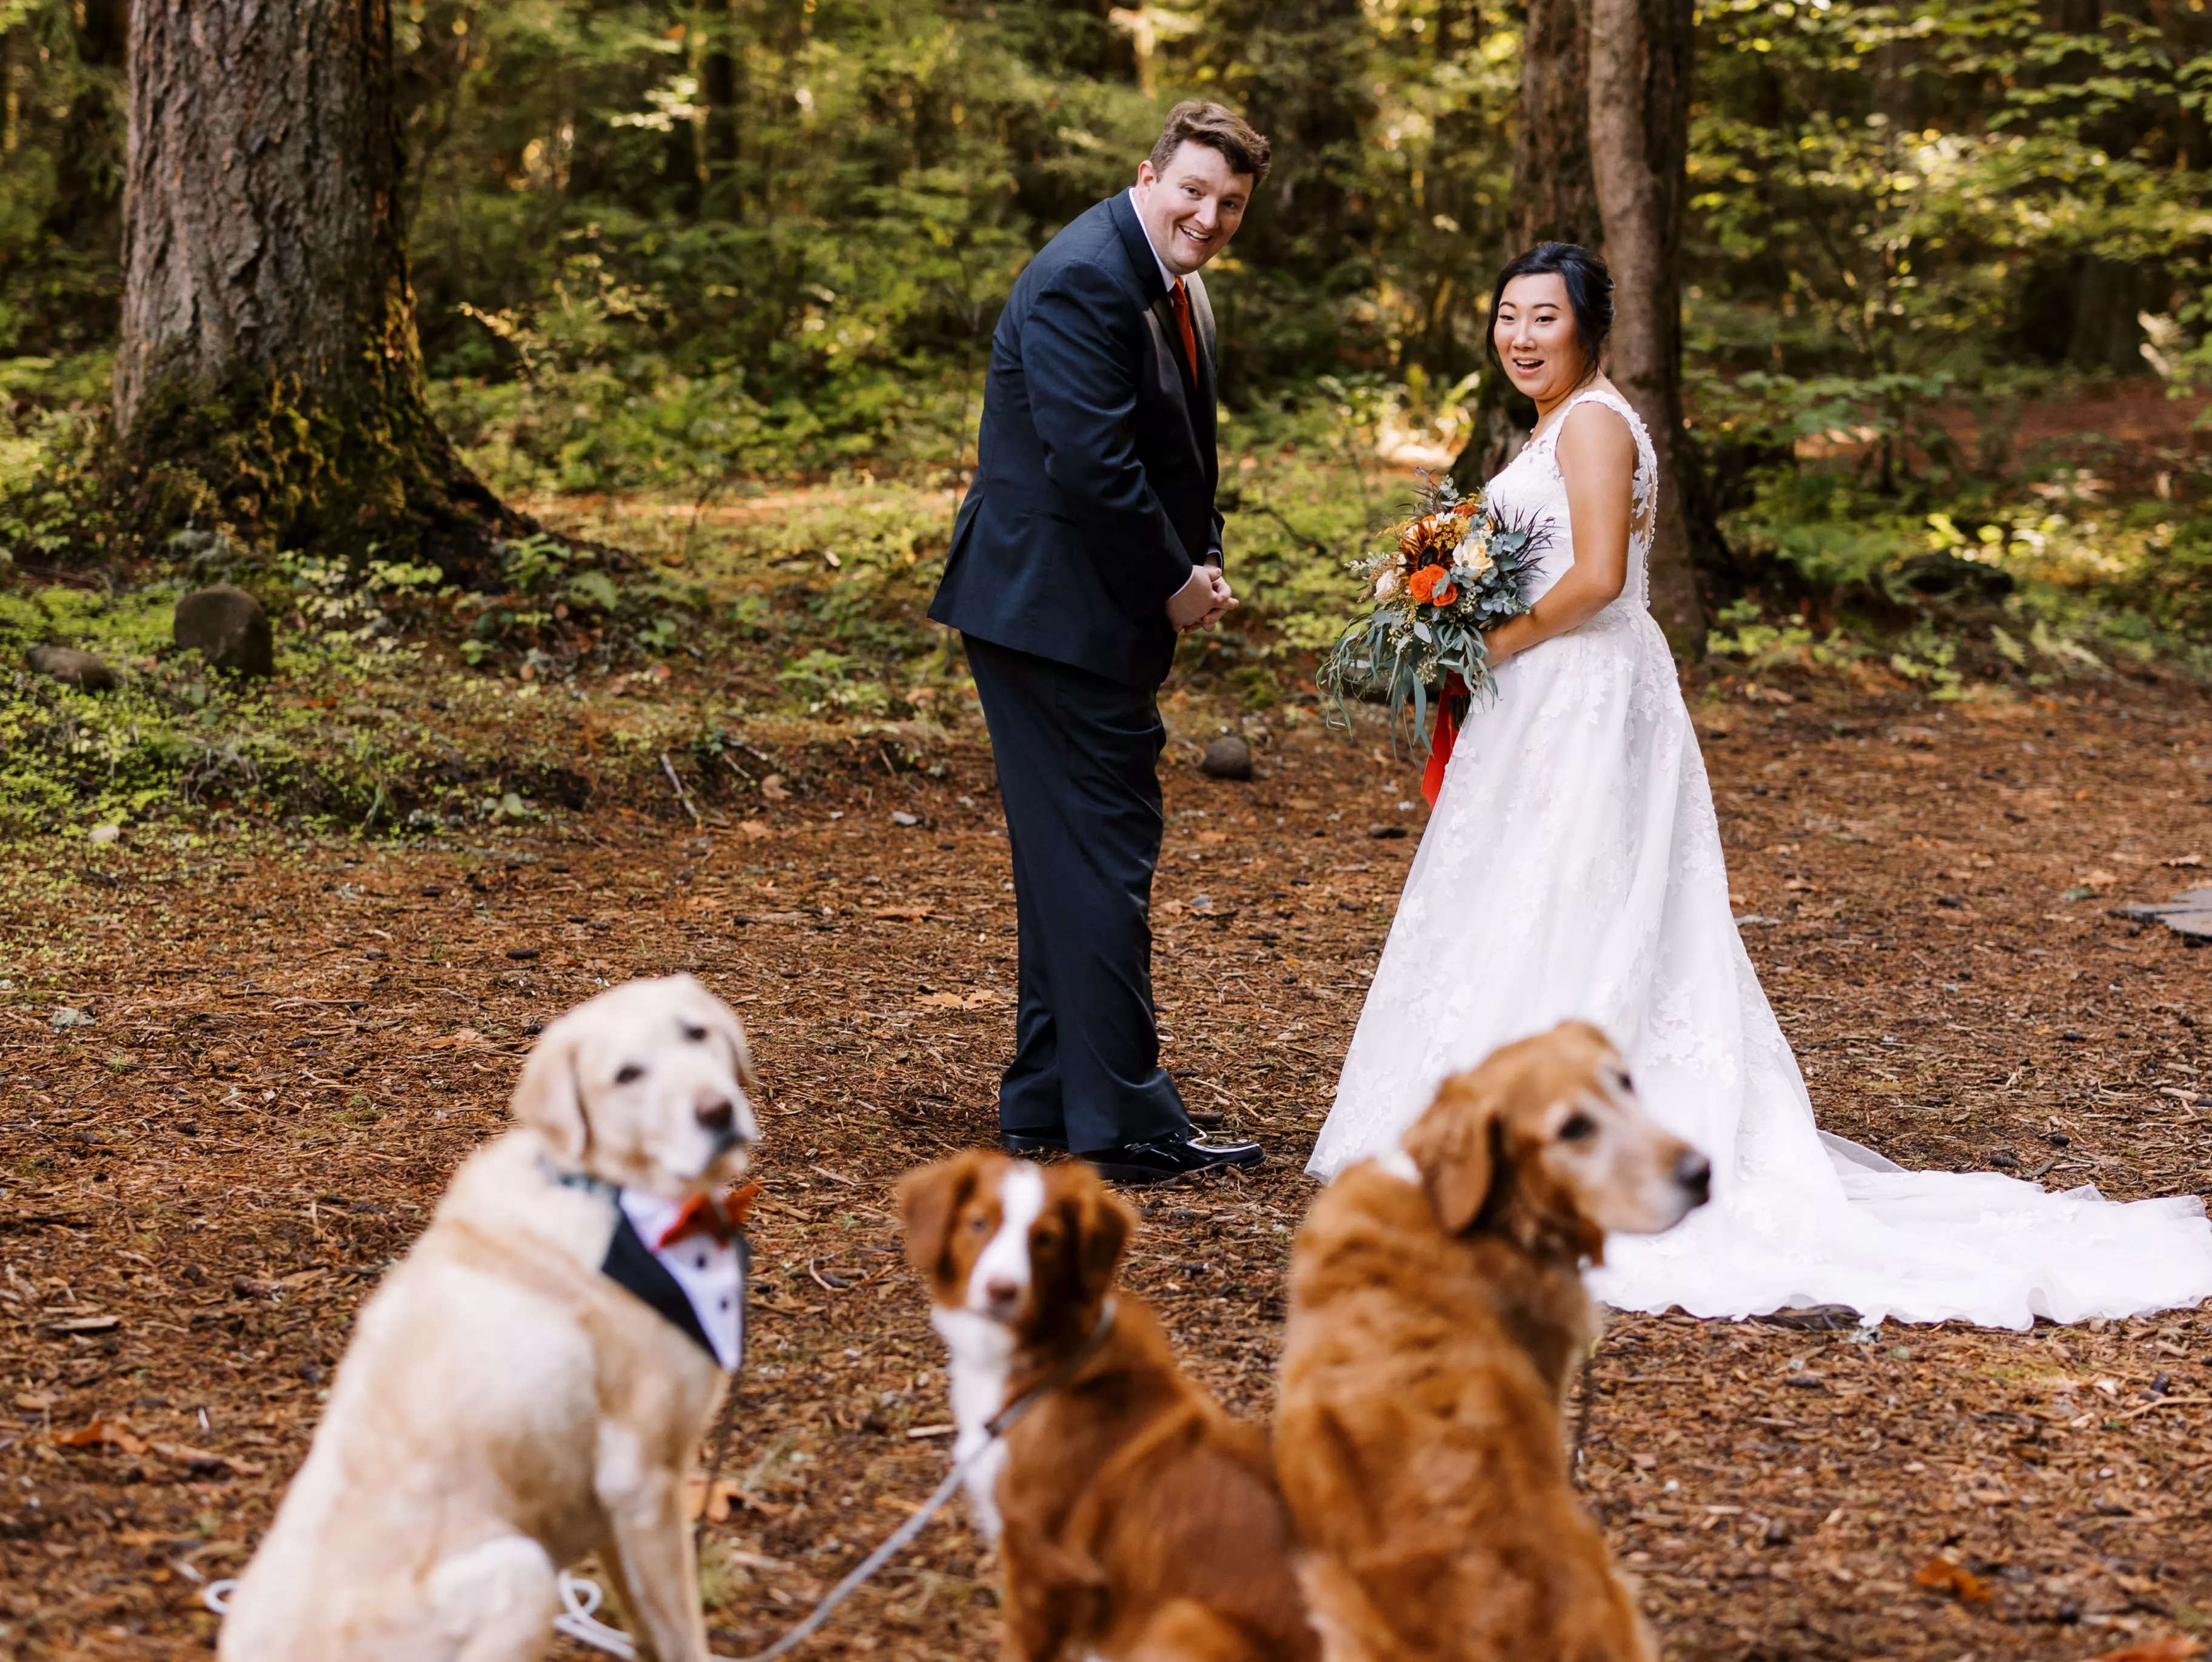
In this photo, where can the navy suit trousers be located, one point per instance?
(1078, 776)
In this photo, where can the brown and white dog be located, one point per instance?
(529, 1385)
(1437, 1312)
(1136, 1521)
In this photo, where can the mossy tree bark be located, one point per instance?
(1639, 147)
(1554, 200)
(1599, 158)
(269, 378)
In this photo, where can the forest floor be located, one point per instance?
(278, 1048)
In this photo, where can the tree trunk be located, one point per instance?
(1639, 102)
(1554, 194)
(269, 380)
(1554, 200)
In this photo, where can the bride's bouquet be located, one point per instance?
(1453, 570)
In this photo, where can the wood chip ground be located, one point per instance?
(294, 1040)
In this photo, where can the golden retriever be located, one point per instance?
(1136, 1521)
(507, 1406)
(1437, 1312)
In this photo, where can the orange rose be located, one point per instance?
(1445, 595)
(1424, 584)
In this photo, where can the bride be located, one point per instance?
(1572, 868)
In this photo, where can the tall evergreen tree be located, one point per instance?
(1599, 158)
(268, 377)
(1638, 137)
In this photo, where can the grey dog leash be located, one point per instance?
(576, 1615)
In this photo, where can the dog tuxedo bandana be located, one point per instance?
(689, 1262)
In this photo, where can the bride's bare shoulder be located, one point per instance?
(1596, 442)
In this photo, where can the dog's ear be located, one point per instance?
(548, 1099)
(1454, 1147)
(731, 1032)
(930, 1197)
(1103, 1222)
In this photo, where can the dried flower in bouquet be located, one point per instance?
(1451, 571)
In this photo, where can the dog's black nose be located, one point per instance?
(1695, 1174)
(718, 1117)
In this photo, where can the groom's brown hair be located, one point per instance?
(1219, 127)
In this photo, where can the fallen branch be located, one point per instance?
(2163, 1402)
(681, 795)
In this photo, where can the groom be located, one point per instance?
(1089, 540)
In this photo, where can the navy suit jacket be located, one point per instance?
(1095, 467)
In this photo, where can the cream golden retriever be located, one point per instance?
(1436, 1311)
(506, 1406)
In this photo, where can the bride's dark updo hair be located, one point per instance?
(1589, 293)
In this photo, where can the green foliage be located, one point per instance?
(340, 735)
(52, 473)
(61, 175)
(1901, 204)
(714, 285)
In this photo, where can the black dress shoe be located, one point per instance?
(1167, 1157)
(1033, 1142)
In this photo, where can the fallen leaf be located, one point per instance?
(2174, 1648)
(1213, 836)
(716, 1505)
(2185, 859)
(1946, 1575)
(112, 1433)
(32, 1402)
(186, 1454)
(753, 830)
(912, 913)
(942, 1001)
(2099, 878)
(84, 1325)
(774, 789)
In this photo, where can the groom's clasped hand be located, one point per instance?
(1202, 602)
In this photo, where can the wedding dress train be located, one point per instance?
(1573, 868)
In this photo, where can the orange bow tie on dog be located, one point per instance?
(703, 1215)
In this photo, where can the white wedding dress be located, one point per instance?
(1572, 868)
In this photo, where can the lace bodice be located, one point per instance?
(1530, 487)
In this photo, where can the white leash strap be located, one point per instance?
(581, 1595)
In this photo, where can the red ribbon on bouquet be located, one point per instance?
(1441, 736)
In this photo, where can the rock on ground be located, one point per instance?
(1228, 757)
(228, 627)
(86, 671)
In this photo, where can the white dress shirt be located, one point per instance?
(1167, 277)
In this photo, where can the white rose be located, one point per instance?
(1390, 584)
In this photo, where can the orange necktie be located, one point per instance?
(1179, 298)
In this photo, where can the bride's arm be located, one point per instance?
(1596, 455)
